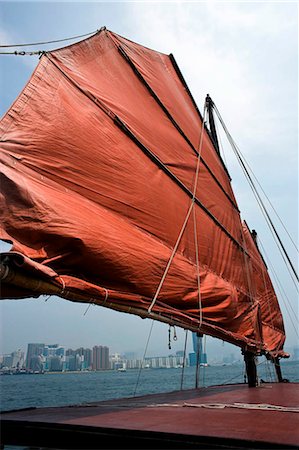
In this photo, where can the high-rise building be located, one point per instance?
(197, 345)
(7, 361)
(14, 360)
(37, 363)
(55, 363)
(70, 352)
(79, 359)
(33, 350)
(87, 353)
(53, 350)
(100, 358)
(17, 359)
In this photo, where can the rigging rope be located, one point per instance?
(269, 303)
(39, 52)
(204, 366)
(269, 201)
(184, 360)
(198, 348)
(185, 221)
(283, 294)
(145, 350)
(256, 193)
(261, 187)
(197, 266)
(51, 42)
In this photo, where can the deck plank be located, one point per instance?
(149, 415)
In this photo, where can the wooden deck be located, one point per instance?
(173, 420)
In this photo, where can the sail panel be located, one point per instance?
(125, 96)
(158, 70)
(264, 294)
(84, 199)
(56, 155)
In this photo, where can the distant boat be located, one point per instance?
(114, 193)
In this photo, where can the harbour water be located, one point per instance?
(57, 389)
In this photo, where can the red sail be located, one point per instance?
(98, 158)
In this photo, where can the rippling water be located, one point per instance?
(57, 389)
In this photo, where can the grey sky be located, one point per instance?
(245, 55)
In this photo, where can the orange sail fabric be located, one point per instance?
(98, 160)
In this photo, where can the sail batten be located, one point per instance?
(98, 171)
(175, 124)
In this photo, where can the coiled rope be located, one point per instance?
(256, 406)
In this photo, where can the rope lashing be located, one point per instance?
(92, 301)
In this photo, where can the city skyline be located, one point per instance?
(52, 358)
(49, 350)
(41, 358)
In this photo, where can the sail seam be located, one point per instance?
(172, 120)
(119, 122)
(273, 327)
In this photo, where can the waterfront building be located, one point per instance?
(53, 350)
(33, 350)
(116, 361)
(37, 363)
(17, 359)
(87, 354)
(100, 357)
(44, 357)
(193, 355)
(70, 352)
(6, 361)
(14, 360)
(133, 363)
(54, 363)
(73, 363)
(165, 362)
(79, 359)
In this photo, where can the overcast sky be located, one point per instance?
(245, 55)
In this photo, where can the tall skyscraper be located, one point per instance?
(87, 353)
(197, 342)
(17, 359)
(100, 357)
(53, 350)
(33, 350)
